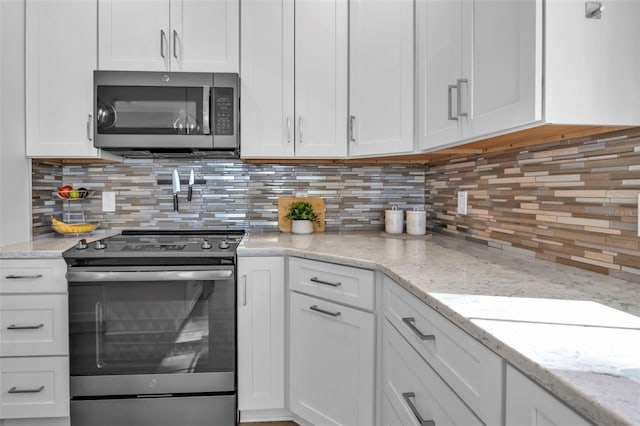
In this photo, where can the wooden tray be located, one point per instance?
(283, 209)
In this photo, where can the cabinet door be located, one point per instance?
(266, 78)
(134, 35)
(321, 62)
(502, 63)
(331, 361)
(380, 77)
(439, 55)
(60, 59)
(205, 35)
(261, 333)
(530, 405)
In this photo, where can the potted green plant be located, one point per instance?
(302, 217)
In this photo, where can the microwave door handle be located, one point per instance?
(207, 105)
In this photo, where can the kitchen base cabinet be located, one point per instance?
(414, 389)
(261, 328)
(530, 405)
(331, 362)
(34, 362)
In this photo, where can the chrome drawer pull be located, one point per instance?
(407, 397)
(322, 311)
(319, 281)
(16, 390)
(23, 277)
(24, 327)
(410, 323)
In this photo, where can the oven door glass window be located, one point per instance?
(166, 327)
(148, 110)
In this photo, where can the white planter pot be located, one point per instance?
(302, 227)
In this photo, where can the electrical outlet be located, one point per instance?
(108, 201)
(462, 202)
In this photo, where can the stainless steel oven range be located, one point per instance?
(152, 329)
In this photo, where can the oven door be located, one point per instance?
(152, 331)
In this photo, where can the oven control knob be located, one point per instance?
(82, 245)
(100, 245)
(224, 244)
(206, 245)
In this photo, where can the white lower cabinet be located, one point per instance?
(530, 405)
(415, 391)
(331, 363)
(261, 328)
(34, 363)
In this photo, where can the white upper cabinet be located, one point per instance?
(305, 116)
(60, 58)
(169, 35)
(478, 65)
(266, 82)
(381, 72)
(490, 67)
(321, 77)
(592, 66)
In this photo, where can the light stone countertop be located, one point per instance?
(572, 331)
(50, 246)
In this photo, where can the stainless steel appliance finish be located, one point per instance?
(152, 329)
(177, 114)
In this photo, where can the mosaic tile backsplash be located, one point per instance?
(235, 195)
(572, 202)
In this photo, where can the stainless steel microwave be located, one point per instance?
(172, 114)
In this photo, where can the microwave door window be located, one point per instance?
(148, 110)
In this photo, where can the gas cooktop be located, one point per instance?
(135, 245)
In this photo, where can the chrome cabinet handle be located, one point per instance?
(322, 311)
(99, 362)
(301, 139)
(23, 277)
(352, 135)
(459, 83)
(450, 115)
(24, 327)
(16, 390)
(407, 397)
(410, 323)
(175, 43)
(319, 281)
(89, 132)
(244, 290)
(162, 43)
(288, 129)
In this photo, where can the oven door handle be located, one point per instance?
(110, 276)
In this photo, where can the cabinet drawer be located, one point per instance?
(33, 325)
(472, 370)
(344, 284)
(414, 390)
(34, 387)
(33, 276)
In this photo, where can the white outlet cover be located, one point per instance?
(108, 201)
(462, 202)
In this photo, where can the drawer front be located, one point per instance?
(472, 370)
(344, 284)
(34, 387)
(33, 276)
(415, 392)
(33, 325)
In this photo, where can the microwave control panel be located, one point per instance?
(223, 111)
